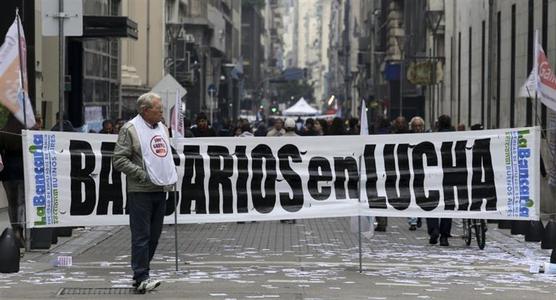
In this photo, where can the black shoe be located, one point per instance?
(380, 228)
(444, 241)
(434, 239)
(412, 227)
(419, 223)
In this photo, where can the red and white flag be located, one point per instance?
(13, 75)
(541, 82)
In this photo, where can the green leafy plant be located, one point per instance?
(3, 116)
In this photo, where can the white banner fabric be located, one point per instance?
(492, 174)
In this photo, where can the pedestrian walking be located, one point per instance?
(143, 153)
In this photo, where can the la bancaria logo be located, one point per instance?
(159, 146)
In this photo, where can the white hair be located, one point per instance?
(145, 101)
(415, 119)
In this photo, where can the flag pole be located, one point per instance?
(176, 223)
(21, 77)
(22, 80)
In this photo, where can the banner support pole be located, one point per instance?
(176, 223)
(359, 221)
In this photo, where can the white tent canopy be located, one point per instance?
(301, 108)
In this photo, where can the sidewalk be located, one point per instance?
(313, 259)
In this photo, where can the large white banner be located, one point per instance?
(490, 174)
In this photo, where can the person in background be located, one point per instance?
(107, 127)
(202, 128)
(245, 130)
(261, 130)
(11, 150)
(461, 127)
(337, 127)
(318, 128)
(299, 124)
(353, 126)
(277, 129)
(323, 126)
(400, 125)
(117, 125)
(187, 128)
(38, 123)
(149, 176)
(416, 125)
(309, 129)
(440, 227)
(66, 124)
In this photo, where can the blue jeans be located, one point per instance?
(146, 215)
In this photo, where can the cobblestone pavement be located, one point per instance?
(313, 259)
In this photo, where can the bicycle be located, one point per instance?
(480, 228)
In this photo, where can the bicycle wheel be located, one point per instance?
(480, 230)
(467, 231)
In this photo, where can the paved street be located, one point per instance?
(313, 259)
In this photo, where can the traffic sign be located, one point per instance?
(212, 88)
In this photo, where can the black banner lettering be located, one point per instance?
(241, 184)
(370, 168)
(81, 180)
(294, 203)
(341, 165)
(263, 204)
(426, 149)
(109, 192)
(193, 190)
(220, 173)
(482, 167)
(454, 176)
(402, 200)
(319, 170)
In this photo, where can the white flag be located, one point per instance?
(13, 92)
(363, 116)
(178, 129)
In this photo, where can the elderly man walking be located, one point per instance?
(143, 153)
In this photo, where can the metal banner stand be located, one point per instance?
(176, 223)
(359, 221)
